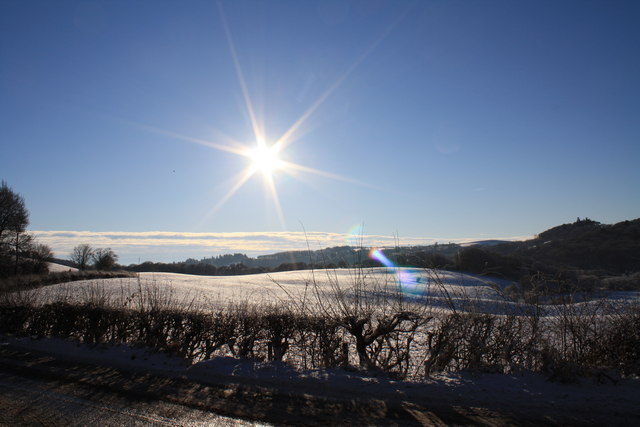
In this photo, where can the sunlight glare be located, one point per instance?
(265, 159)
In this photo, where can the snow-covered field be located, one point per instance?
(443, 289)
(436, 287)
(57, 268)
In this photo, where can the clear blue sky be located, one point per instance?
(447, 119)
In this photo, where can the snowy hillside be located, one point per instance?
(437, 287)
(448, 290)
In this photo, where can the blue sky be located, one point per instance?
(445, 120)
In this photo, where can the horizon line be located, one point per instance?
(131, 245)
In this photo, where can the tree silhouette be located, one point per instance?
(81, 256)
(104, 259)
(18, 250)
(14, 216)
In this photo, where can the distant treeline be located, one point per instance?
(584, 255)
(32, 281)
(339, 255)
(335, 257)
(212, 270)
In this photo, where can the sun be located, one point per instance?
(265, 159)
(264, 156)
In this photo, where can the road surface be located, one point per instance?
(41, 388)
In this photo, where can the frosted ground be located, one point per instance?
(443, 289)
(411, 285)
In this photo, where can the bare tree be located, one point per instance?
(39, 255)
(14, 219)
(22, 243)
(104, 259)
(14, 216)
(81, 256)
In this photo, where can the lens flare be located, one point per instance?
(354, 235)
(409, 280)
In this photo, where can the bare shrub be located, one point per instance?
(248, 329)
(620, 346)
(367, 323)
(13, 318)
(586, 338)
(279, 324)
(321, 342)
(379, 321)
(573, 338)
(221, 331)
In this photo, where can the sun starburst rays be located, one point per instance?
(265, 158)
(257, 128)
(274, 198)
(239, 182)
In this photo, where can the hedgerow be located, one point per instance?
(410, 344)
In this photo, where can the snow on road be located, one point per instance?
(523, 398)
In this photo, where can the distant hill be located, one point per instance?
(568, 231)
(338, 256)
(335, 257)
(570, 250)
(484, 243)
(584, 244)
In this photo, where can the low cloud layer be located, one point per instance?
(133, 247)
